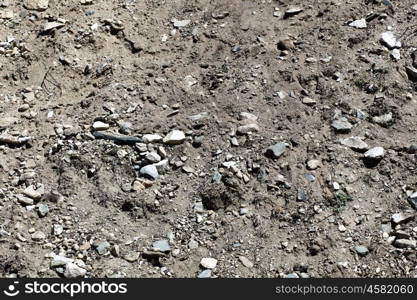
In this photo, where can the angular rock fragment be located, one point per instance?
(389, 40)
(355, 143)
(375, 153)
(175, 137)
(360, 24)
(342, 125)
(275, 151)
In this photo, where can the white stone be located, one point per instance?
(74, 271)
(149, 171)
(34, 194)
(98, 125)
(396, 54)
(175, 137)
(52, 25)
(59, 261)
(360, 24)
(151, 138)
(375, 153)
(249, 128)
(208, 262)
(181, 23)
(389, 40)
(190, 80)
(245, 116)
(38, 236)
(153, 157)
(38, 5)
(313, 164)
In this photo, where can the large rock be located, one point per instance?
(375, 153)
(388, 39)
(38, 5)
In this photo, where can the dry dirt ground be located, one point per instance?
(215, 83)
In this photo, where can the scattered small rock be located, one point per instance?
(361, 250)
(246, 262)
(355, 143)
(342, 125)
(360, 24)
(275, 151)
(149, 171)
(175, 137)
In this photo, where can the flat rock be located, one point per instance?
(199, 116)
(52, 25)
(6, 122)
(181, 23)
(161, 246)
(313, 164)
(24, 200)
(151, 138)
(246, 262)
(342, 125)
(309, 101)
(34, 194)
(389, 40)
(208, 262)
(275, 151)
(360, 24)
(245, 116)
(375, 153)
(361, 250)
(39, 5)
(400, 218)
(38, 236)
(383, 120)
(103, 247)
(153, 157)
(355, 143)
(405, 243)
(72, 270)
(248, 128)
(132, 257)
(6, 14)
(292, 11)
(59, 261)
(98, 125)
(149, 171)
(161, 166)
(175, 137)
(204, 274)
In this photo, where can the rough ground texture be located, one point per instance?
(75, 200)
